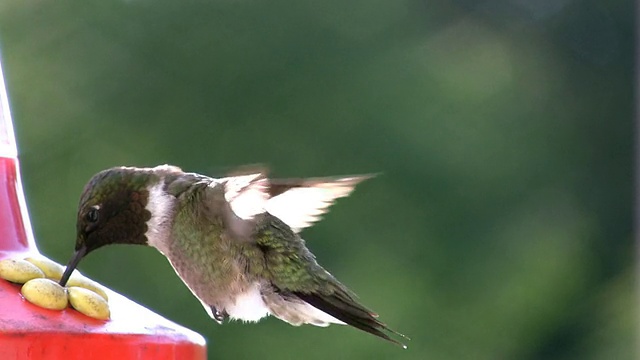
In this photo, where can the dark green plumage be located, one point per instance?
(293, 270)
(123, 194)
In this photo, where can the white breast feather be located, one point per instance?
(248, 306)
(160, 206)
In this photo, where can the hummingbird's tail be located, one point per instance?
(346, 309)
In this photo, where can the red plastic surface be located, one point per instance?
(12, 227)
(134, 332)
(31, 332)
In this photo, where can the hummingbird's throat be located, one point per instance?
(77, 256)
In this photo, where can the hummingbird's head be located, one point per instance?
(112, 210)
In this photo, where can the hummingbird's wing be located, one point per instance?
(299, 284)
(297, 202)
(301, 202)
(236, 200)
(247, 194)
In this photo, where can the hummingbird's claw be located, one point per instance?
(219, 316)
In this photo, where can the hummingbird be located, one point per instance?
(234, 241)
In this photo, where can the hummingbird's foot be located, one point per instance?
(219, 316)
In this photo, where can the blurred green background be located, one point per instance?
(501, 225)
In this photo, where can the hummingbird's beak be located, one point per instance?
(79, 254)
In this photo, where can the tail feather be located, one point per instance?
(351, 314)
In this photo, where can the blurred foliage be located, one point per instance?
(501, 226)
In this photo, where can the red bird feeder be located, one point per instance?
(31, 332)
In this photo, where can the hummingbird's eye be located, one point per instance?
(92, 215)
